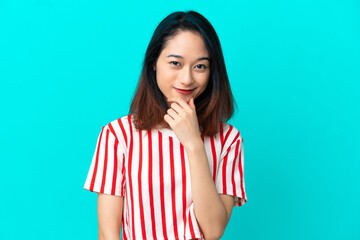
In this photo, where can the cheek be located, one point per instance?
(163, 81)
(164, 77)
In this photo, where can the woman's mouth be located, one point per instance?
(184, 91)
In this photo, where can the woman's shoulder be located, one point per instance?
(120, 127)
(227, 128)
(229, 133)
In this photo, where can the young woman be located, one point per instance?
(172, 168)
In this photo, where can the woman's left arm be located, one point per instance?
(212, 210)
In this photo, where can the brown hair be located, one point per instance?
(213, 105)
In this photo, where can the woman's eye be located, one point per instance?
(201, 65)
(174, 62)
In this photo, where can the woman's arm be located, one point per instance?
(109, 209)
(212, 210)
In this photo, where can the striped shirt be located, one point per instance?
(151, 170)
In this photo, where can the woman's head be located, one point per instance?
(183, 66)
(184, 53)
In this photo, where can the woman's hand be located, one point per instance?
(182, 118)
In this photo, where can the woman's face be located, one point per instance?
(183, 65)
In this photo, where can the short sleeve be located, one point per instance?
(192, 228)
(230, 175)
(106, 173)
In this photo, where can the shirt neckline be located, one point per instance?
(169, 132)
(166, 131)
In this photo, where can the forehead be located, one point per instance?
(186, 43)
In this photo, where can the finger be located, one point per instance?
(181, 102)
(169, 120)
(177, 108)
(192, 104)
(171, 112)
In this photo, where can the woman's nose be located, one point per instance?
(186, 77)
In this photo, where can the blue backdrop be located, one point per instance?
(69, 67)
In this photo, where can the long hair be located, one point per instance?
(213, 105)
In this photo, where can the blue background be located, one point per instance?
(69, 67)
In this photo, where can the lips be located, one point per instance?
(184, 91)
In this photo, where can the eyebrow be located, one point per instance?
(178, 56)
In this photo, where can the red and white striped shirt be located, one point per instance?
(151, 169)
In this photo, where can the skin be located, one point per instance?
(185, 73)
(109, 210)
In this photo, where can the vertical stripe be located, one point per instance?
(127, 212)
(213, 151)
(115, 162)
(105, 162)
(161, 176)
(96, 162)
(233, 168)
(115, 169)
(185, 228)
(123, 175)
(115, 166)
(123, 229)
(224, 172)
(151, 186)
(191, 226)
(235, 138)
(173, 197)
(143, 231)
(123, 131)
(183, 171)
(224, 165)
(194, 226)
(228, 133)
(130, 180)
(241, 170)
(112, 130)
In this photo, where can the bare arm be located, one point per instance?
(109, 209)
(213, 216)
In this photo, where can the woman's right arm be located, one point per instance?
(109, 209)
